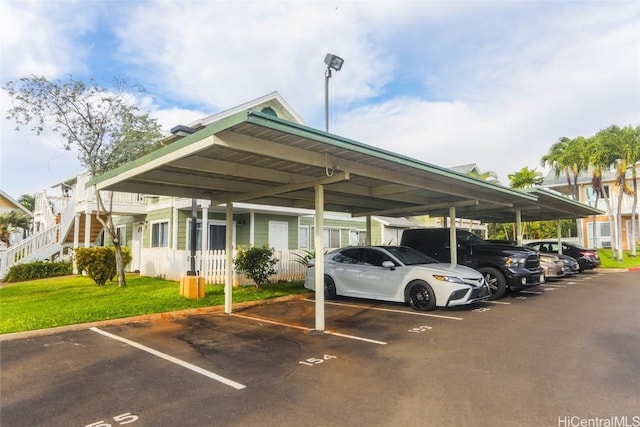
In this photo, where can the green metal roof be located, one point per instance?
(258, 158)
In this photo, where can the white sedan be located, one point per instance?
(399, 274)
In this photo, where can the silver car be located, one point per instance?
(400, 274)
(552, 266)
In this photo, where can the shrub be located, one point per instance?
(38, 270)
(305, 257)
(100, 262)
(256, 263)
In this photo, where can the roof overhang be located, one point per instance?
(257, 158)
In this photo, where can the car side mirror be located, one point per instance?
(388, 264)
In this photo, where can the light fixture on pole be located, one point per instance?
(333, 63)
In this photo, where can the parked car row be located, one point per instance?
(419, 271)
(587, 258)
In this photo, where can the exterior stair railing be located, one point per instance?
(40, 245)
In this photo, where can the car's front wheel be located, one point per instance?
(329, 288)
(420, 296)
(496, 281)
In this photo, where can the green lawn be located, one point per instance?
(628, 261)
(70, 300)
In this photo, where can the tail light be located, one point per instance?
(590, 254)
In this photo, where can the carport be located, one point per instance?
(258, 158)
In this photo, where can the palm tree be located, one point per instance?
(622, 146)
(11, 222)
(601, 159)
(635, 160)
(28, 201)
(568, 156)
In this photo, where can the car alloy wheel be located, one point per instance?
(496, 281)
(421, 296)
(329, 288)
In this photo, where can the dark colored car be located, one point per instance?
(570, 265)
(587, 258)
(504, 266)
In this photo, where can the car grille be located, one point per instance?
(479, 293)
(532, 262)
(474, 282)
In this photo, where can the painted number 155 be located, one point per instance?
(123, 419)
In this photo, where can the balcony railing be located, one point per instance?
(627, 204)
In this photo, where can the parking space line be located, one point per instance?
(273, 322)
(353, 337)
(412, 313)
(498, 302)
(531, 292)
(554, 286)
(172, 359)
(290, 325)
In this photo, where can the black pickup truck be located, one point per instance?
(504, 266)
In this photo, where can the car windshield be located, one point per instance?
(410, 256)
(470, 238)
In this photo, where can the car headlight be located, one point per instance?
(515, 262)
(452, 279)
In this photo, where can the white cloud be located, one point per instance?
(495, 83)
(41, 37)
(227, 53)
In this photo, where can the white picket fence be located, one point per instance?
(173, 265)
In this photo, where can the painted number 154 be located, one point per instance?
(316, 361)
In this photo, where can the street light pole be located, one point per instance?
(333, 62)
(327, 76)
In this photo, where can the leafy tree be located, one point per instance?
(257, 263)
(103, 125)
(525, 178)
(489, 176)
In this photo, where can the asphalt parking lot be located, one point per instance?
(559, 355)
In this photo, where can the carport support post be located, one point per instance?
(228, 279)
(559, 231)
(368, 229)
(453, 238)
(519, 227)
(319, 246)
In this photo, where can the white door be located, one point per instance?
(279, 235)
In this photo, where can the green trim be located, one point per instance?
(564, 200)
(209, 130)
(349, 144)
(293, 128)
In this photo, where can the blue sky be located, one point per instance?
(494, 83)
